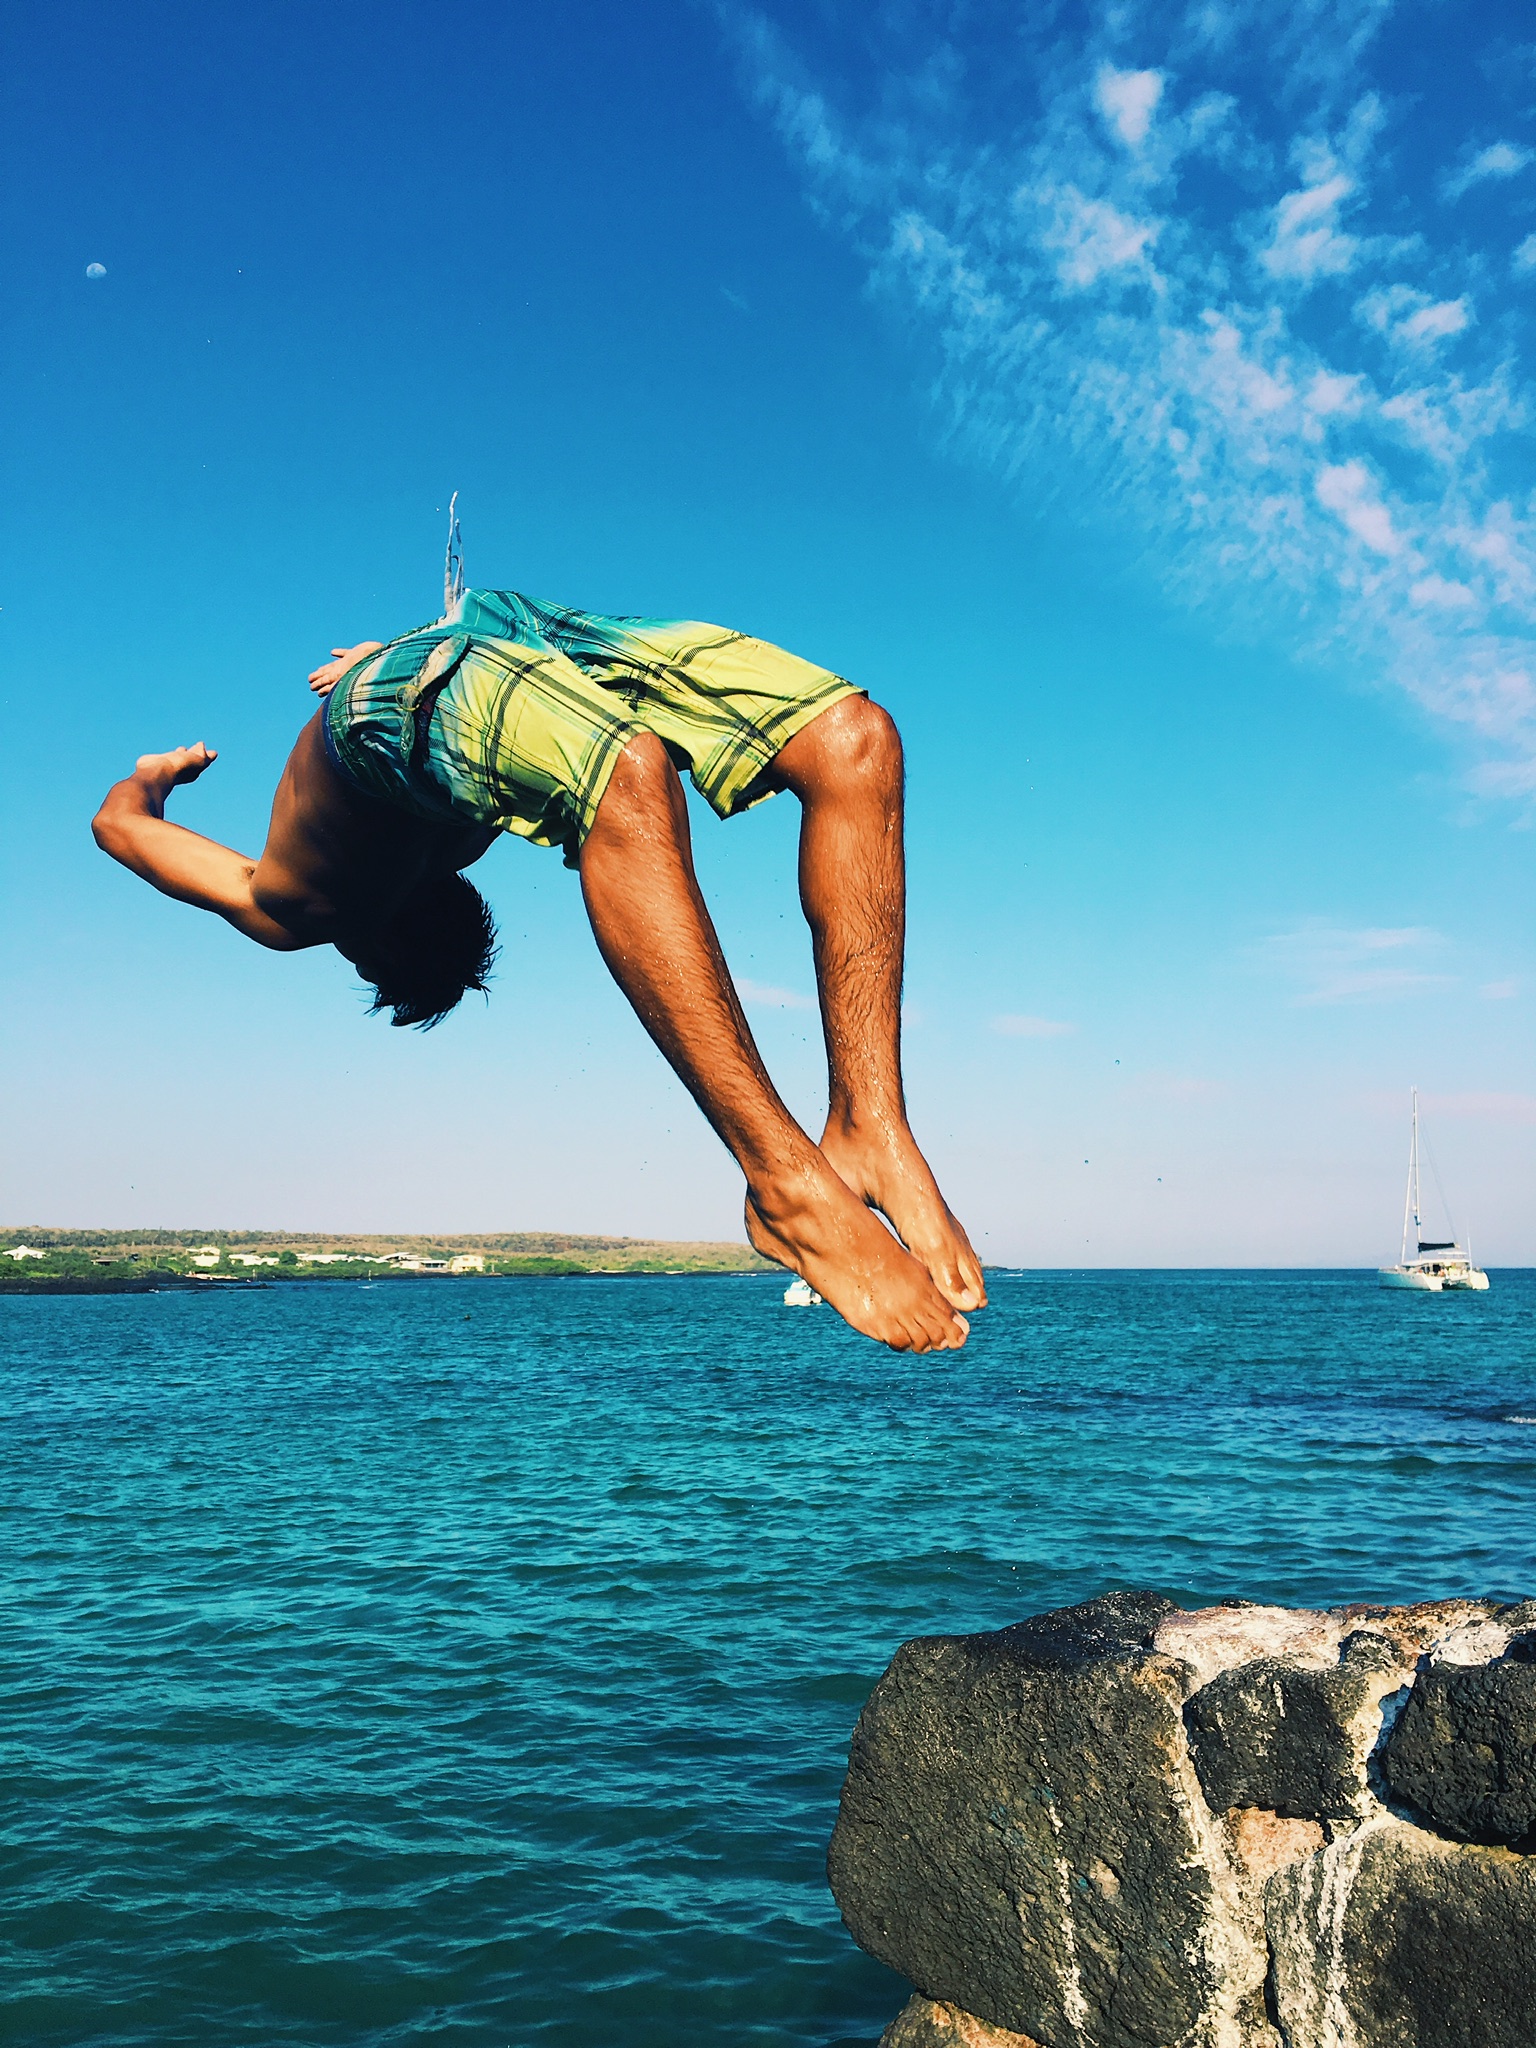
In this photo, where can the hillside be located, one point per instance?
(114, 1258)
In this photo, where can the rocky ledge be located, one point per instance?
(1124, 1825)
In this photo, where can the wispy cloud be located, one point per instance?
(1469, 1105)
(1353, 495)
(1031, 1027)
(1329, 963)
(1306, 241)
(762, 995)
(1500, 991)
(1180, 1088)
(1410, 319)
(1127, 100)
(1179, 273)
(1498, 160)
(1484, 1108)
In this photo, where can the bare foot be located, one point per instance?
(811, 1223)
(882, 1165)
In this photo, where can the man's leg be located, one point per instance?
(655, 934)
(846, 769)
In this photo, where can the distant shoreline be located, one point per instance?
(41, 1259)
(183, 1283)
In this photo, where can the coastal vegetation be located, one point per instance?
(36, 1259)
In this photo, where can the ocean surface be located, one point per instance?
(475, 1661)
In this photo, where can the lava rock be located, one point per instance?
(1271, 1736)
(1124, 1825)
(1393, 1938)
(1463, 1753)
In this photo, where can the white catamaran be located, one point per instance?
(1438, 1264)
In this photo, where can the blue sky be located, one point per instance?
(1137, 400)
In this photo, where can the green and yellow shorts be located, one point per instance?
(513, 714)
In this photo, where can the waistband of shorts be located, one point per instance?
(373, 758)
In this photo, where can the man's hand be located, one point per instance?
(323, 680)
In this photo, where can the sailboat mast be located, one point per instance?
(1410, 1193)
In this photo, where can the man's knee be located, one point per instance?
(855, 743)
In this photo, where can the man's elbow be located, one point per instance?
(107, 832)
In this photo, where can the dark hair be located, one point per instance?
(439, 942)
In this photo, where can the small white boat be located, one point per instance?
(1439, 1265)
(801, 1294)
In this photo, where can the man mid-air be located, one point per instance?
(564, 727)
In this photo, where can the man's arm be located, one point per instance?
(132, 826)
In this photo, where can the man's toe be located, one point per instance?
(956, 1286)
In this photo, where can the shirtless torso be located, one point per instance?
(334, 857)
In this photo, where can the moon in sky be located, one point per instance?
(95, 270)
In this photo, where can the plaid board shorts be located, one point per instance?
(513, 714)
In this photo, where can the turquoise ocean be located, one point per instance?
(475, 1661)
